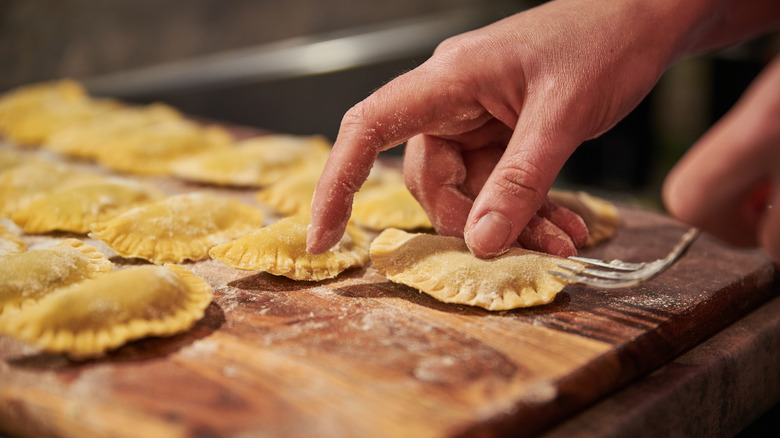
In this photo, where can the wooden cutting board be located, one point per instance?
(359, 356)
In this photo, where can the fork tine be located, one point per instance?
(611, 279)
(617, 274)
(613, 264)
(596, 282)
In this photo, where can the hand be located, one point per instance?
(729, 183)
(496, 112)
(445, 177)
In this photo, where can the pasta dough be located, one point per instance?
(94, 316)
(86, 138)
(30, 181)
(280, 249)
(10, 243)
(29, 97)
(292, 194)
(178, 228)
(600, 216)
(21, 105)
(75, 208)
(28, 276)
(391, 206)
(150, 151)
(255, 162)
(444, 268)
(33, 125)
(9, 159)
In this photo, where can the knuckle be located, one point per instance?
(349, 186)
(521, 180)
(464, 46)
(356, 123)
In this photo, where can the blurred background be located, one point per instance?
(296, 66)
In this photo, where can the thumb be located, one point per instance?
(515, 191)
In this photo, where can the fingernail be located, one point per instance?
(490, 235)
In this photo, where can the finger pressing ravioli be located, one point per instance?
(445, 268)
(28, 276)
(293, 194)
(91, 317)
(178, 228)
(280, 249)
(77, 207)
(254, 162)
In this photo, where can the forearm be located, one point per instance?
(669, 30)
(719, 23)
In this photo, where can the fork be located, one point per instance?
(616, 274)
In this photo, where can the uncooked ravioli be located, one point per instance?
(178, 228)
(444, 268)
(151, 150)
(94, 316)
(292, 194)
(9, 159)
(257, 161)
(10, 243)
(391, 206)
(30, 181)
(86, 138)
(28, 276)
(600, 216)
(280, 249)
(27, 113)
(34, 126)
(76, 207)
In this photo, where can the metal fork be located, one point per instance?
(616, 274)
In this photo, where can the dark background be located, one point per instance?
(84, 39)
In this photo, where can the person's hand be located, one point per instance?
(729, 183)
(496, 112)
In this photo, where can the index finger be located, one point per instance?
(411, 104)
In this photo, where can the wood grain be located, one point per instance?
(359, 356)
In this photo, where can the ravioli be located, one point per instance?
(34, 125)
(258, 161)
(280, 249)
(601, 216)
(150, 151)
(178, 228)
(30, 181)
(87, 138)
(391, 206)
(9, 159)
(75, 208)
(28, 276)
(10, 243)
(92, 317)
(18, 103)
(292, 194)
(444, 268)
